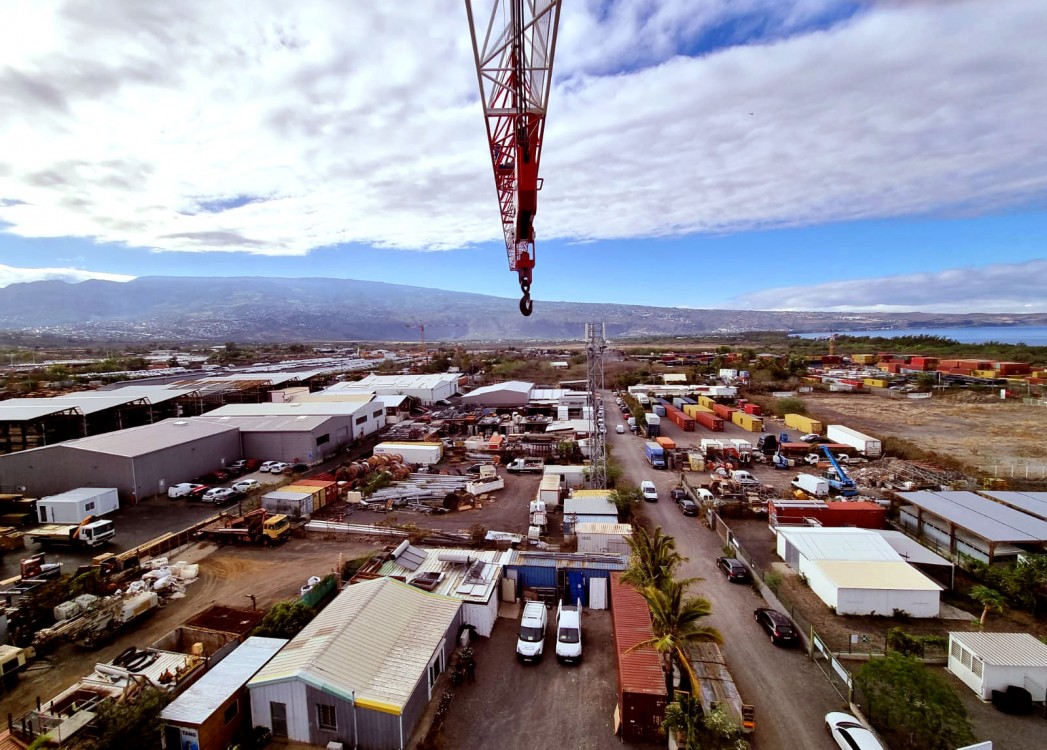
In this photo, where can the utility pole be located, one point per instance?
(594, 348)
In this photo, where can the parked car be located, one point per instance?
(239, 465)
(568, 633)
(734, 569)
(185, 489)
(213, 477)
(649, 491)
(531, 640)
(779, 627)
(247, 485)
(688, 508)
(265, 466)
(620, 429)
(219, 495)
(676, 494)
(278, 467)
(849, 733)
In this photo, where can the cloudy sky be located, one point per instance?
(773, 154)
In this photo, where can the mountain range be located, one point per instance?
(256, 309)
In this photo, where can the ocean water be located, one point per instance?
(1029, 335)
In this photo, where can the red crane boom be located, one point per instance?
(514, 67)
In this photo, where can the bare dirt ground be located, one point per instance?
(975, 429)
(228, 575)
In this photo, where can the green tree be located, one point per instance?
(912, 707)
(285, 619)
(990, 599)
(676, 620)
(625, 499)
(133, 723)
(654, 559)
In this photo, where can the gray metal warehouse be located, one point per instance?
(363, 671)
(301, 438)
(139, 462)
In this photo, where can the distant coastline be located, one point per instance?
(1029, 335)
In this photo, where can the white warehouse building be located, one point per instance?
(856, 572)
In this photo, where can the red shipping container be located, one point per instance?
(330, 488)
(680, 419)
(723, 412)
(709, 421)
(753, 409)
(642, 695)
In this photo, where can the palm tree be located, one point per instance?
(676, 621)
(653, 561)
(990, 599)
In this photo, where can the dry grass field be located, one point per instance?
(978, 431)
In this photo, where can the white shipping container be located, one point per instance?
(76, 505)
(413, 452)
(712, 443)
(653, 419)
(868, 446)
(293, 504)
(603, 538)
(741, 445)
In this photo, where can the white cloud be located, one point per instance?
(1001, 288)
(331, 122)
(12, 275)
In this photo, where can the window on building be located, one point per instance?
(325, 717)
(377, 414)
(361, 420)
(232, 711)
(89, 506)
(326, 438)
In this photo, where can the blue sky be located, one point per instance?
(809, 154)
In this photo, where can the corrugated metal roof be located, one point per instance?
(621, 529)
(639, 671)
(291, 409)
(207, 694)
(374, 642)
(300, 423)
(1005, 649)
(139, 441)
(984, 518)
(590, 506)
(911, 550)
(456, 581)
(1033, 503)
(866, 574)
(26, 409)
(155, 394)
(840, 544)
(515, 386)
(571, 560)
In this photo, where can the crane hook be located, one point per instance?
(526, 306)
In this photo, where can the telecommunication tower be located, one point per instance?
(595, 344)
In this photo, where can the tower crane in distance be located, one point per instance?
(514, 67)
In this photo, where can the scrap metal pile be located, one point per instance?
(898, 474)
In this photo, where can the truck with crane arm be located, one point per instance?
(837, 478)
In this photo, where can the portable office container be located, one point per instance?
(329, 487)
(76, 505)
(317, 493)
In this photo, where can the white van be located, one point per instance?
(569, 633)
(650, 492)
(705, 497)
(532, 632)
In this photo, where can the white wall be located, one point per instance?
(291, 693)
(819, 583)
(885, 601)
(996, 677)
(482, 616)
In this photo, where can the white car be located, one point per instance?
(620, 429)
(849, 733)
(649, 491)
(180, 490)
(267, 466)
(219, 495)
(278, 467)
(247, 485)
(568, 633)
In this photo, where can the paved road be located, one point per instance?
(789, 692)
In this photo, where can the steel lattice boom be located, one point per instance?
(514, 67)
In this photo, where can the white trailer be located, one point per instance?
(741, 445)
(413, 452)
(869, 447)
(570, 476)
(710, 443)
(76, 505)
(812, 485)
(549, 490)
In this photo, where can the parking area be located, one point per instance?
(514, 706)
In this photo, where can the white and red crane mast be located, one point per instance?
(514, 67)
